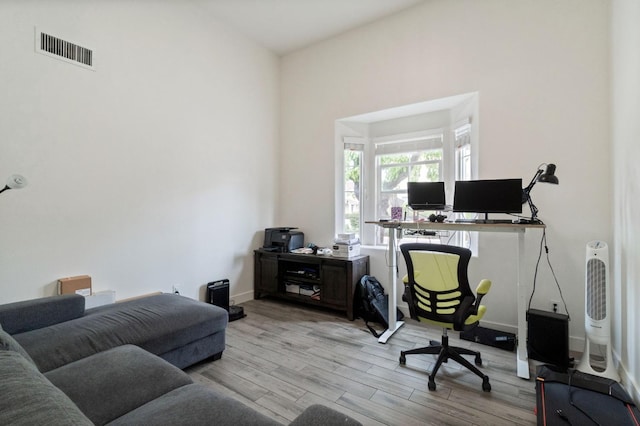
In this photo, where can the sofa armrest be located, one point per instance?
(19, 317)
(28, 398)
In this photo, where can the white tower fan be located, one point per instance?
(597, 313)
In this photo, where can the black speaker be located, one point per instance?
(218, 293)
(548, 337)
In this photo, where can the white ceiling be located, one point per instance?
(287, 25)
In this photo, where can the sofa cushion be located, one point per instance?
(19, 317)
(28, 398)
(158, 324)
(319, 415)
(109, 384)
(8, 343)
(194, 405)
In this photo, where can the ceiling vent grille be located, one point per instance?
(58, 48)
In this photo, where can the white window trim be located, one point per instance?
(464, 105)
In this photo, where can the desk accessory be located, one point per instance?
(547, 176)
(396, 213)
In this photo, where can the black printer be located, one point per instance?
(282, 239)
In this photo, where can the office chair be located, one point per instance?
(437, 291)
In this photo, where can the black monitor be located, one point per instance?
(488, 196)
(426, 195)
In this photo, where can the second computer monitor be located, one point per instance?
(488, 196)
(426, 195)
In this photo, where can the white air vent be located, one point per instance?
(64, 50)
(596, 289)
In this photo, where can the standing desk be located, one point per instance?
(395, 227)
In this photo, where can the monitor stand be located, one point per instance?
(485, 220)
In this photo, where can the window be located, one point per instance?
(462, 142)
(352, 187)
(381, 151)
(398, 161)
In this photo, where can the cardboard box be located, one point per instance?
(80, 284)
(346, 250)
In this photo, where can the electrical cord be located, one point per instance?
(543, 243)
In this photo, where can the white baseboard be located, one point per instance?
(627, 380)
(241, 297)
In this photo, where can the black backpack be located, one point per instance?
(371, 304)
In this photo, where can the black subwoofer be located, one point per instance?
(218, 294)
(548, 337)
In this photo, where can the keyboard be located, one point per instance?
(484, 221)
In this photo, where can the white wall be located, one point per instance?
(541, 71)
(156, 169)
(626, 184)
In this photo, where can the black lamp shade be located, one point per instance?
(549, 175)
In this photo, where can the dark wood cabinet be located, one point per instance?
(317, 280)
(266, 273)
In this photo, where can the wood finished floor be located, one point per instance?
(283, 357)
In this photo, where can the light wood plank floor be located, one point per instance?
(283, 357)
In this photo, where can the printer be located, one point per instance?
(282, 239)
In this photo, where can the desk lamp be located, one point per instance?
(15, 182)
(542, 175)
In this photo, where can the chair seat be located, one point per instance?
(471, 322)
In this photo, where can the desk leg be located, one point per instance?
(394, 325)
(522, 355)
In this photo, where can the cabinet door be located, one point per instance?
(334, 284)
(266, 274)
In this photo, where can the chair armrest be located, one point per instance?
(464, 310)
(482, 289)
(409, 299)
(469, 306)
(19, 317)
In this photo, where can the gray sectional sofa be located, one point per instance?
(57, 330)
(60, 365)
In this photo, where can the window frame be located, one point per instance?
(404, 143)
(379, 126)
(353, 145)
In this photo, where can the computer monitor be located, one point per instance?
(426, 195)
(488, 196)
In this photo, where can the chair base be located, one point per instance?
(446, 352)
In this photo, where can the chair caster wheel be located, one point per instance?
(432, 385)
(486, 386)
(403, 359)
(478, 360)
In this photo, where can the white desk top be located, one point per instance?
(441, 226)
